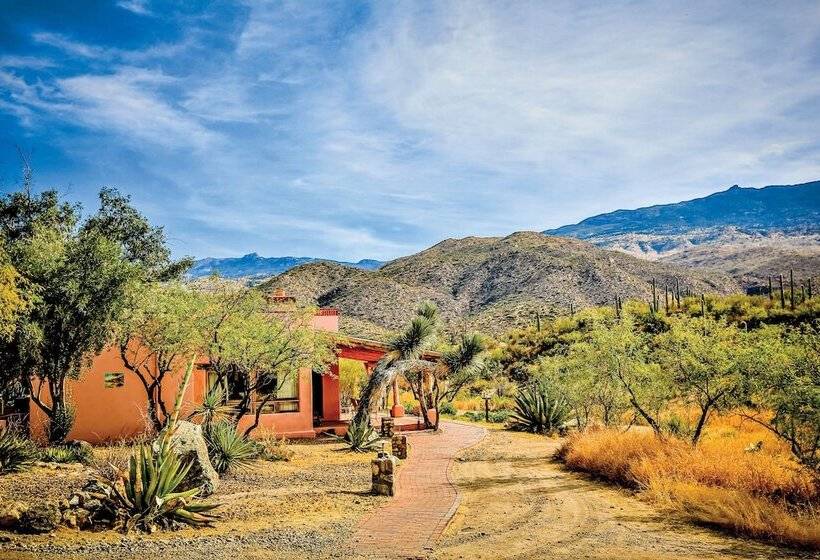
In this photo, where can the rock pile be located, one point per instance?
(399, 446)
(384, 468)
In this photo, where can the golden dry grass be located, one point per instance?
(760, 494)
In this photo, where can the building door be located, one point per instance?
(318, 397)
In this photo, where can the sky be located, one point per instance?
(353, 130)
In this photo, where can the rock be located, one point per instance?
(70, 519)
(82, 517)
(188, 442)
(93, 504)
(82, 448)
(40, 518)
(10, 514)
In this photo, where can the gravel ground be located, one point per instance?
(304, 508)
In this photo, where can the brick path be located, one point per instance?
(425, 499)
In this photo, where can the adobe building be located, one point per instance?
(110, 401)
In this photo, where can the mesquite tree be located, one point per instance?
(158, 331)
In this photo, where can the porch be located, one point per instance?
(339, 427)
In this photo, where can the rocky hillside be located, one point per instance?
(747, 232)
(489, 283)
(253, 267)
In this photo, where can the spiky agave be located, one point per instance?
(229, 450)
(361, 437)
(539, 409)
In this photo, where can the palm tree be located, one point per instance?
(403, 354)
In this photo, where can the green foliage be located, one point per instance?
(784, 388)
(17, 453)
(447, 408)
(361, 437)
(161, 324)
(212, 410)
(228, 450)
(539, 409)
(495, 416)
(80, 277)
(61, 422)
(352, 377)
(67, 454)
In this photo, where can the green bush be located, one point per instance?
(539, 409)
(67, 454)
(60, 425)
(495, 416)
(17, 453)
(229, 450)
(447, 408)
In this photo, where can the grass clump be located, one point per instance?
(762, 494)
(273, 448)
(17, 453)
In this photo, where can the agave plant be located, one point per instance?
(228, 449)
(539, 409)
(212, 410)
(17, 453)
(64, 454)
(360, 437)
(146, 495)
(150, 497)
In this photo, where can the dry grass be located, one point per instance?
(477, 403)
(760, 494)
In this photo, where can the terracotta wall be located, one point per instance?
(109, 414)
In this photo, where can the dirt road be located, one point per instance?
(518, 503)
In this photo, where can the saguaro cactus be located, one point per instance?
(782, 293)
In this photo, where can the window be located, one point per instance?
(114, 380)
(287, 394)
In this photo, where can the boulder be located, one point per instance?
(188, 442)
(10, 514)
(40, 518)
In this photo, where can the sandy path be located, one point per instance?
(518, 503)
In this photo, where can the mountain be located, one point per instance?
(748, 232)
(254, 267)
(491, 283)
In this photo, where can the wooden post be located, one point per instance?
(791, 288)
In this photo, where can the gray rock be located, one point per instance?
(40, 518)
(188, 442)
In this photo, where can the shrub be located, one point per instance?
(272, 448)
(361, 437)
(447, 408)
(67, 454)
(495, 416)
(229, 450)
(17, 453)
(60, 425)
(538, 410)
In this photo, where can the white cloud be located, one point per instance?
(139, 7)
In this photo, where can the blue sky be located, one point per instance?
(352, 130)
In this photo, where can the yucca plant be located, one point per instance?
(228, 449)
(361, 437)
(212, 410)
(539, 409)
(17, 453)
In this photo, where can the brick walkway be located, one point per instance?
(425, 499)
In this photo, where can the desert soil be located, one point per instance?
(516, 502)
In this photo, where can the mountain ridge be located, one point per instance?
(252, 266)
